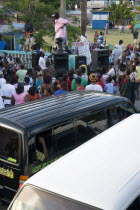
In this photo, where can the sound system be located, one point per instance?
(80, 60)
(100, 58)
(60, 63)
(35, 59)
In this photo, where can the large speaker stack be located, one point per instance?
(60, 63)
(100, 58)
(80, 60)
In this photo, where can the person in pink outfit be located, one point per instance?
(19, 96)
(60, 28)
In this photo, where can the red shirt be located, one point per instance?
(80, 88)
(69, 84)
(101, 84)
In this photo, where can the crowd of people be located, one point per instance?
(19, 85)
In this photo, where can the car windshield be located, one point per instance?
(32, 198)
(9, 145)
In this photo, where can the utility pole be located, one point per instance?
(83, 17)
(63, 8)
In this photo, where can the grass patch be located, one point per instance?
(112, 38)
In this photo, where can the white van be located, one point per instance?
(103, 173)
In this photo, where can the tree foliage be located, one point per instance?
(39, 12)
(119, 13)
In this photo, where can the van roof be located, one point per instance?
(104, 172)
(32, 114)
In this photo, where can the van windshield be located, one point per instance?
(37, 199)
(9, 145)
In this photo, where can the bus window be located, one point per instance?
(65, 137)
(9, 145)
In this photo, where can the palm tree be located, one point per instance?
(83, 17)
(63, 8)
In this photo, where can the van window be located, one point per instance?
(65, 137)
(124, 110)
(84, 132)
(9, 145)
(35, 198)
(99, 121)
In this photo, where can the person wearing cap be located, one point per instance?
(94, 83)
(60, 28)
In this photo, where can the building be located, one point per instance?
(12, 33)
(99, 19)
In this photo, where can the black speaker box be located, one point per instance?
(80, 60)
(100, 58)
(61, 63)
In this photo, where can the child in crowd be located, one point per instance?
(26, 84)
(109, 87)
(78, 84)
(39, 77)
(47, 92)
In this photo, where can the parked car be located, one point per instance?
(103, 173)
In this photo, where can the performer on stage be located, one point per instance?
(60, 30)
(29, 35)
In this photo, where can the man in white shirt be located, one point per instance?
(111, 71)
(7, 91)
(42, 62)
(120, 45)
(2, 81)
(94, 83)
(116, 54)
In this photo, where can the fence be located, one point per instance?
(26, 57)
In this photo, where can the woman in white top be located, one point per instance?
(94, 83)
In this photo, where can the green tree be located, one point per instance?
(119, 13)
(39, 12)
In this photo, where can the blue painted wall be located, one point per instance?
(17, 36)
(99, 24)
